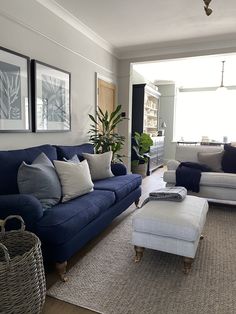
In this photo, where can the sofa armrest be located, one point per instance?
(172, 164)
(118, 169)
(27, 206)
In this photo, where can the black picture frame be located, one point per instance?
(51, 98)
(15, 96)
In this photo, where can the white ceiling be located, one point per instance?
(136, 23)
(191, 72)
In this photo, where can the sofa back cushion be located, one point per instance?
(69, 151)
(229, 159)
(212, 160)
(190, 152)
(11, 160)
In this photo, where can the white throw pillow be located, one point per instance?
(99, 165)
(75, 179)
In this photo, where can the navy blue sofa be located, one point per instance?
(66, 227)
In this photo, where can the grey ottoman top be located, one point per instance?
(181, 220)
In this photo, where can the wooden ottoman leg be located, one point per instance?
(138, 253)
(61, 270)
(137, 202)
(201, 237)
(187, 264)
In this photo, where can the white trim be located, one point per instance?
(104, 78)
(70, 19)
(34, 30)
(171, 50)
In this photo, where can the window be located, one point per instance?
(207, 113)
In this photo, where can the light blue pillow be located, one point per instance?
(73, 159)
(40, 179)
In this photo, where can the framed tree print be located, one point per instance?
(15, 113)
(51, 98)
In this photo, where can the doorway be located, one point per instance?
(106, 94)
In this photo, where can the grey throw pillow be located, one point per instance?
(99, 165)
(212, 160)
(73, 159)
(40, 179)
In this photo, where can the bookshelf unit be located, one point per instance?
(145, 119)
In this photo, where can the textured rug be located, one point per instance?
(107, 280)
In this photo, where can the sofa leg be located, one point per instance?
(61, 270)
(138, 253)
(201, 237)
(188, 261)
(137, 202)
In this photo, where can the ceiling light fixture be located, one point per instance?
(222, 87)
(208, 10)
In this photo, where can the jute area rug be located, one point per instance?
(107, 280)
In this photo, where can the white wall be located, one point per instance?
(29, 28)
(167, 110)
(124, 98)
(137, 78)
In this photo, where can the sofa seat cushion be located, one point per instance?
(121, 185)
(216, 179)
(63, 221)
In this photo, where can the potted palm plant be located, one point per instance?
(140, 148)
(103, 132)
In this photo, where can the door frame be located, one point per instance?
(106, 79)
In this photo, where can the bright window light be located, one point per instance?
(210, 114)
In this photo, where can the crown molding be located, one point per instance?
(49, 38)
(70, 19)
(225, 43)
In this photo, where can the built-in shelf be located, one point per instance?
(146, 108)
(150, 108)
(150, 116)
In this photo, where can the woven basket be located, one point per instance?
(22, 278)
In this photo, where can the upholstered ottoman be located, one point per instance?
(173, 227)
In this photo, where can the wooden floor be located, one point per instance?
(54, 306)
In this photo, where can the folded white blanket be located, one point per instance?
(176, 194)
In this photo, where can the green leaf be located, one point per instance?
(114, 113)
(100, 112)
(103, 134)
(93, 119)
